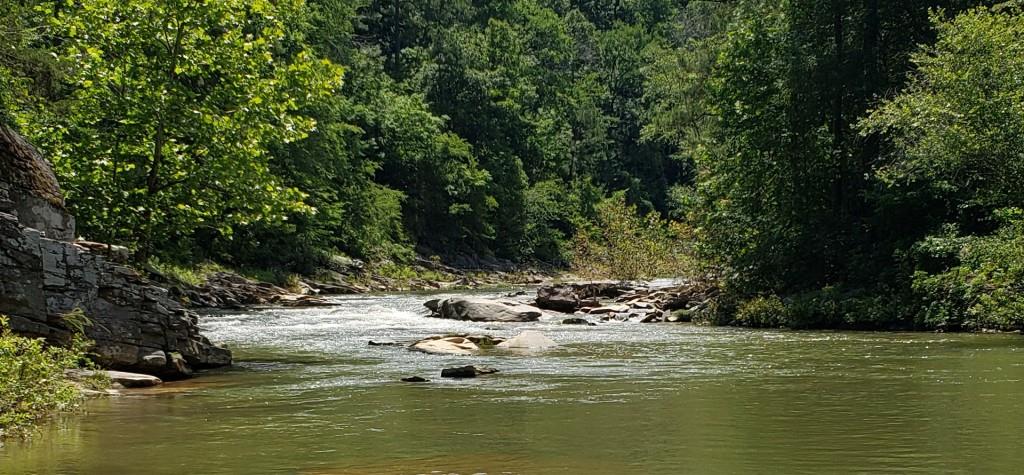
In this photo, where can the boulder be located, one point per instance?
(653, 316)
(451, 345)
(568, 298)
(483, 310)
(304, 301)
(467, 371)
(559, 298)
(415, 379)
(528, 340)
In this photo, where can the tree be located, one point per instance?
(959, 125)
(174, 105)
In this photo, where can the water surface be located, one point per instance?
(309, 396)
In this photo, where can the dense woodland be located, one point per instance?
(831, 163)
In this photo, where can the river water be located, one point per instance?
(309, 396)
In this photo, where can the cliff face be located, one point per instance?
(44, 275)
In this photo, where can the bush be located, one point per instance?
(762, 312)
(984, 289)
(627, 246)
(32, 380)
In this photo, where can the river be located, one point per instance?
(309, 396)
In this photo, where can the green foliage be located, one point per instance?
(171, 108)
(32, 381)
(625, 245)
(959, 126)
(984, 289)
(184, 274)
(77, 321)
(221, 130)
(813, 150)
(762, 312)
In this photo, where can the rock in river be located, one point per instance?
(528, 340)
(128, 380)
(577, 321)
(568, 298)
(483, 310)
(455, 344)
(452, 345)
(415, 379)
(466, 371)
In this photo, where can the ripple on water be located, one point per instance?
(308, 395)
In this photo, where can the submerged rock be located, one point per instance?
(415, 379)
(609, 309)
(483, 310)
(467, 371)
(577, 321)
(528, 340)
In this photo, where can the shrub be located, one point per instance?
(762, 312)
(32, 380)
(985, 286)
(627, 246)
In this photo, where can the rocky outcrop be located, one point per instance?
(45, 275)
(227, 290)
(29, 189)
(568, 298)
(483, 310)
(624, 303)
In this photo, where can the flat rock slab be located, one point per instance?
(134, 380)
(128, 380)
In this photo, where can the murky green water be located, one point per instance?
(310, 397)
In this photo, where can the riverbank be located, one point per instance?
(210, 285)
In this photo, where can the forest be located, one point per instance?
(826, 163)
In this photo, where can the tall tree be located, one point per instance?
(174, 105)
